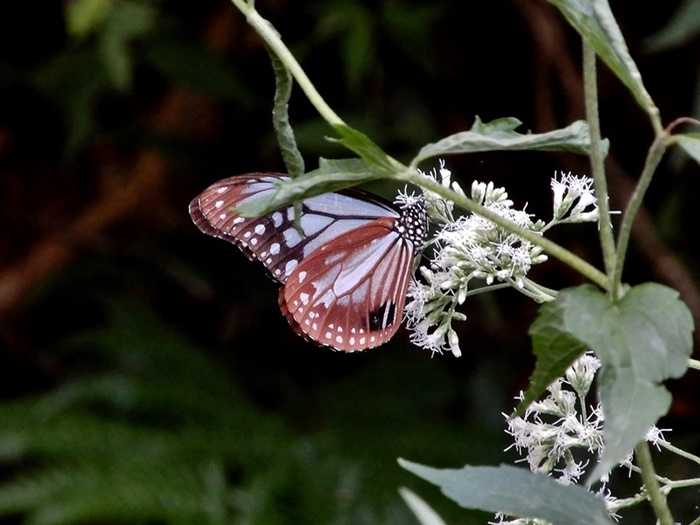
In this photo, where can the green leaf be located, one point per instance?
(85, 16)
(515, 492)
(126, 22)
(423, 512)
(683, 27)
(596, 24)
(554, 348)
(361, 144)
(500, 135)
(690, 142)
(642, 340)
(332, 175)
(280, 119)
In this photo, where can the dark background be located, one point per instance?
(146, 375)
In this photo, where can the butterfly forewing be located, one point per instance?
(350, 293)
(273, 239)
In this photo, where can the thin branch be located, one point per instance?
(680, 452)
(657, 499)
(590, 88)
(656, 152)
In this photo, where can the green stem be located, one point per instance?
(552, 248)
(679, 451)
(682, 483)
(656, 152)
(546, 291)
(488, 288)
(694, 363)
(590, 87)
(273, 40)
(657, 499)
(627, 502)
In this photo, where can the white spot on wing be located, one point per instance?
(277, 219)
(291, 237)
(289, 267)
(302, 276)
(260, 229)
(218, 204)
(274, 248)
(304, 299)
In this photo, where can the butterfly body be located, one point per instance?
(344, 271)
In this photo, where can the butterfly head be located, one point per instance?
(413, 223)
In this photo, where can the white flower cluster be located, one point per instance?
(473, 255)
(574, 199)
(561, 434)
(553, 429)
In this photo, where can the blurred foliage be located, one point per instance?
(114, 416)
(157, 432)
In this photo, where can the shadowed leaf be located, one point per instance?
(515, 492)
(500, 135)
(595, 22)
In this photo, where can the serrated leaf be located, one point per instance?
(690, 142)
(332, 175)
(291, 155)
(554, 348)
(423, 512)
(515, 492)
(642, 340)
(363, 146)
(595, 22)
(500, 135)
(683, 27)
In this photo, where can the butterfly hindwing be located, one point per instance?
(350, 293)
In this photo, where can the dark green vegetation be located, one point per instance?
(145, 372)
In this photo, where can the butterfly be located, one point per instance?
(344, 268)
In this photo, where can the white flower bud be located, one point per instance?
(453, 341)
(478, 191)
